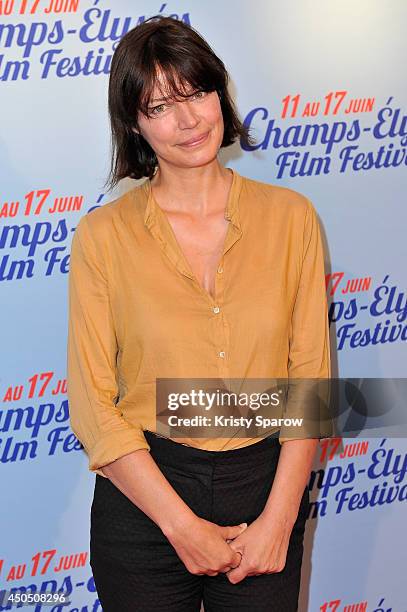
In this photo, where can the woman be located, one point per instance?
(196, 273)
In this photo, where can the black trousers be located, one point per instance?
(135, 567)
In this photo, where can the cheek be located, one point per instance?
(161, 133)
(214, 114)
(165, 135)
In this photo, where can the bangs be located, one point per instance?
(175, 80)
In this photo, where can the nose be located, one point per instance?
(186, 115)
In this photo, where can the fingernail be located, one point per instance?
(243, 525)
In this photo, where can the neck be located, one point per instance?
(196, 190)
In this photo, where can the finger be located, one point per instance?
(234, 564)
(231, 532)
(237, 559)
(236, 575)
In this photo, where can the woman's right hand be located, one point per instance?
(202, 546)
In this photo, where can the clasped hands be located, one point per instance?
(238, 551)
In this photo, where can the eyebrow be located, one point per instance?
(165, 99)
(159, 100)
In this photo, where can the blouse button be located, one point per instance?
(222, 354)
(216, 309)
(220, 270)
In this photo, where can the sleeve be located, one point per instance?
(95, 415)
(309, 347)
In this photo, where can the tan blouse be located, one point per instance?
(137, 313)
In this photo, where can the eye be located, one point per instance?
(200, 92)
(154, 111)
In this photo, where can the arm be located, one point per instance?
(116, 448)
(309, 357)
(293, 470)
(264, 544)
(95, 413)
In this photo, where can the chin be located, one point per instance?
(206, 157)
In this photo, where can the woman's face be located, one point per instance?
(173, 122)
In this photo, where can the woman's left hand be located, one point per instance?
(263, 546)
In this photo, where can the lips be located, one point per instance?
(194, 141)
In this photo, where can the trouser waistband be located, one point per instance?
(168, 450)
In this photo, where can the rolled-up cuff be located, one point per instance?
(113, 446)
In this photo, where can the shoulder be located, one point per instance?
(102, 221)
(277, 199)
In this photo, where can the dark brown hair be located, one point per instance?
(182, 54)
